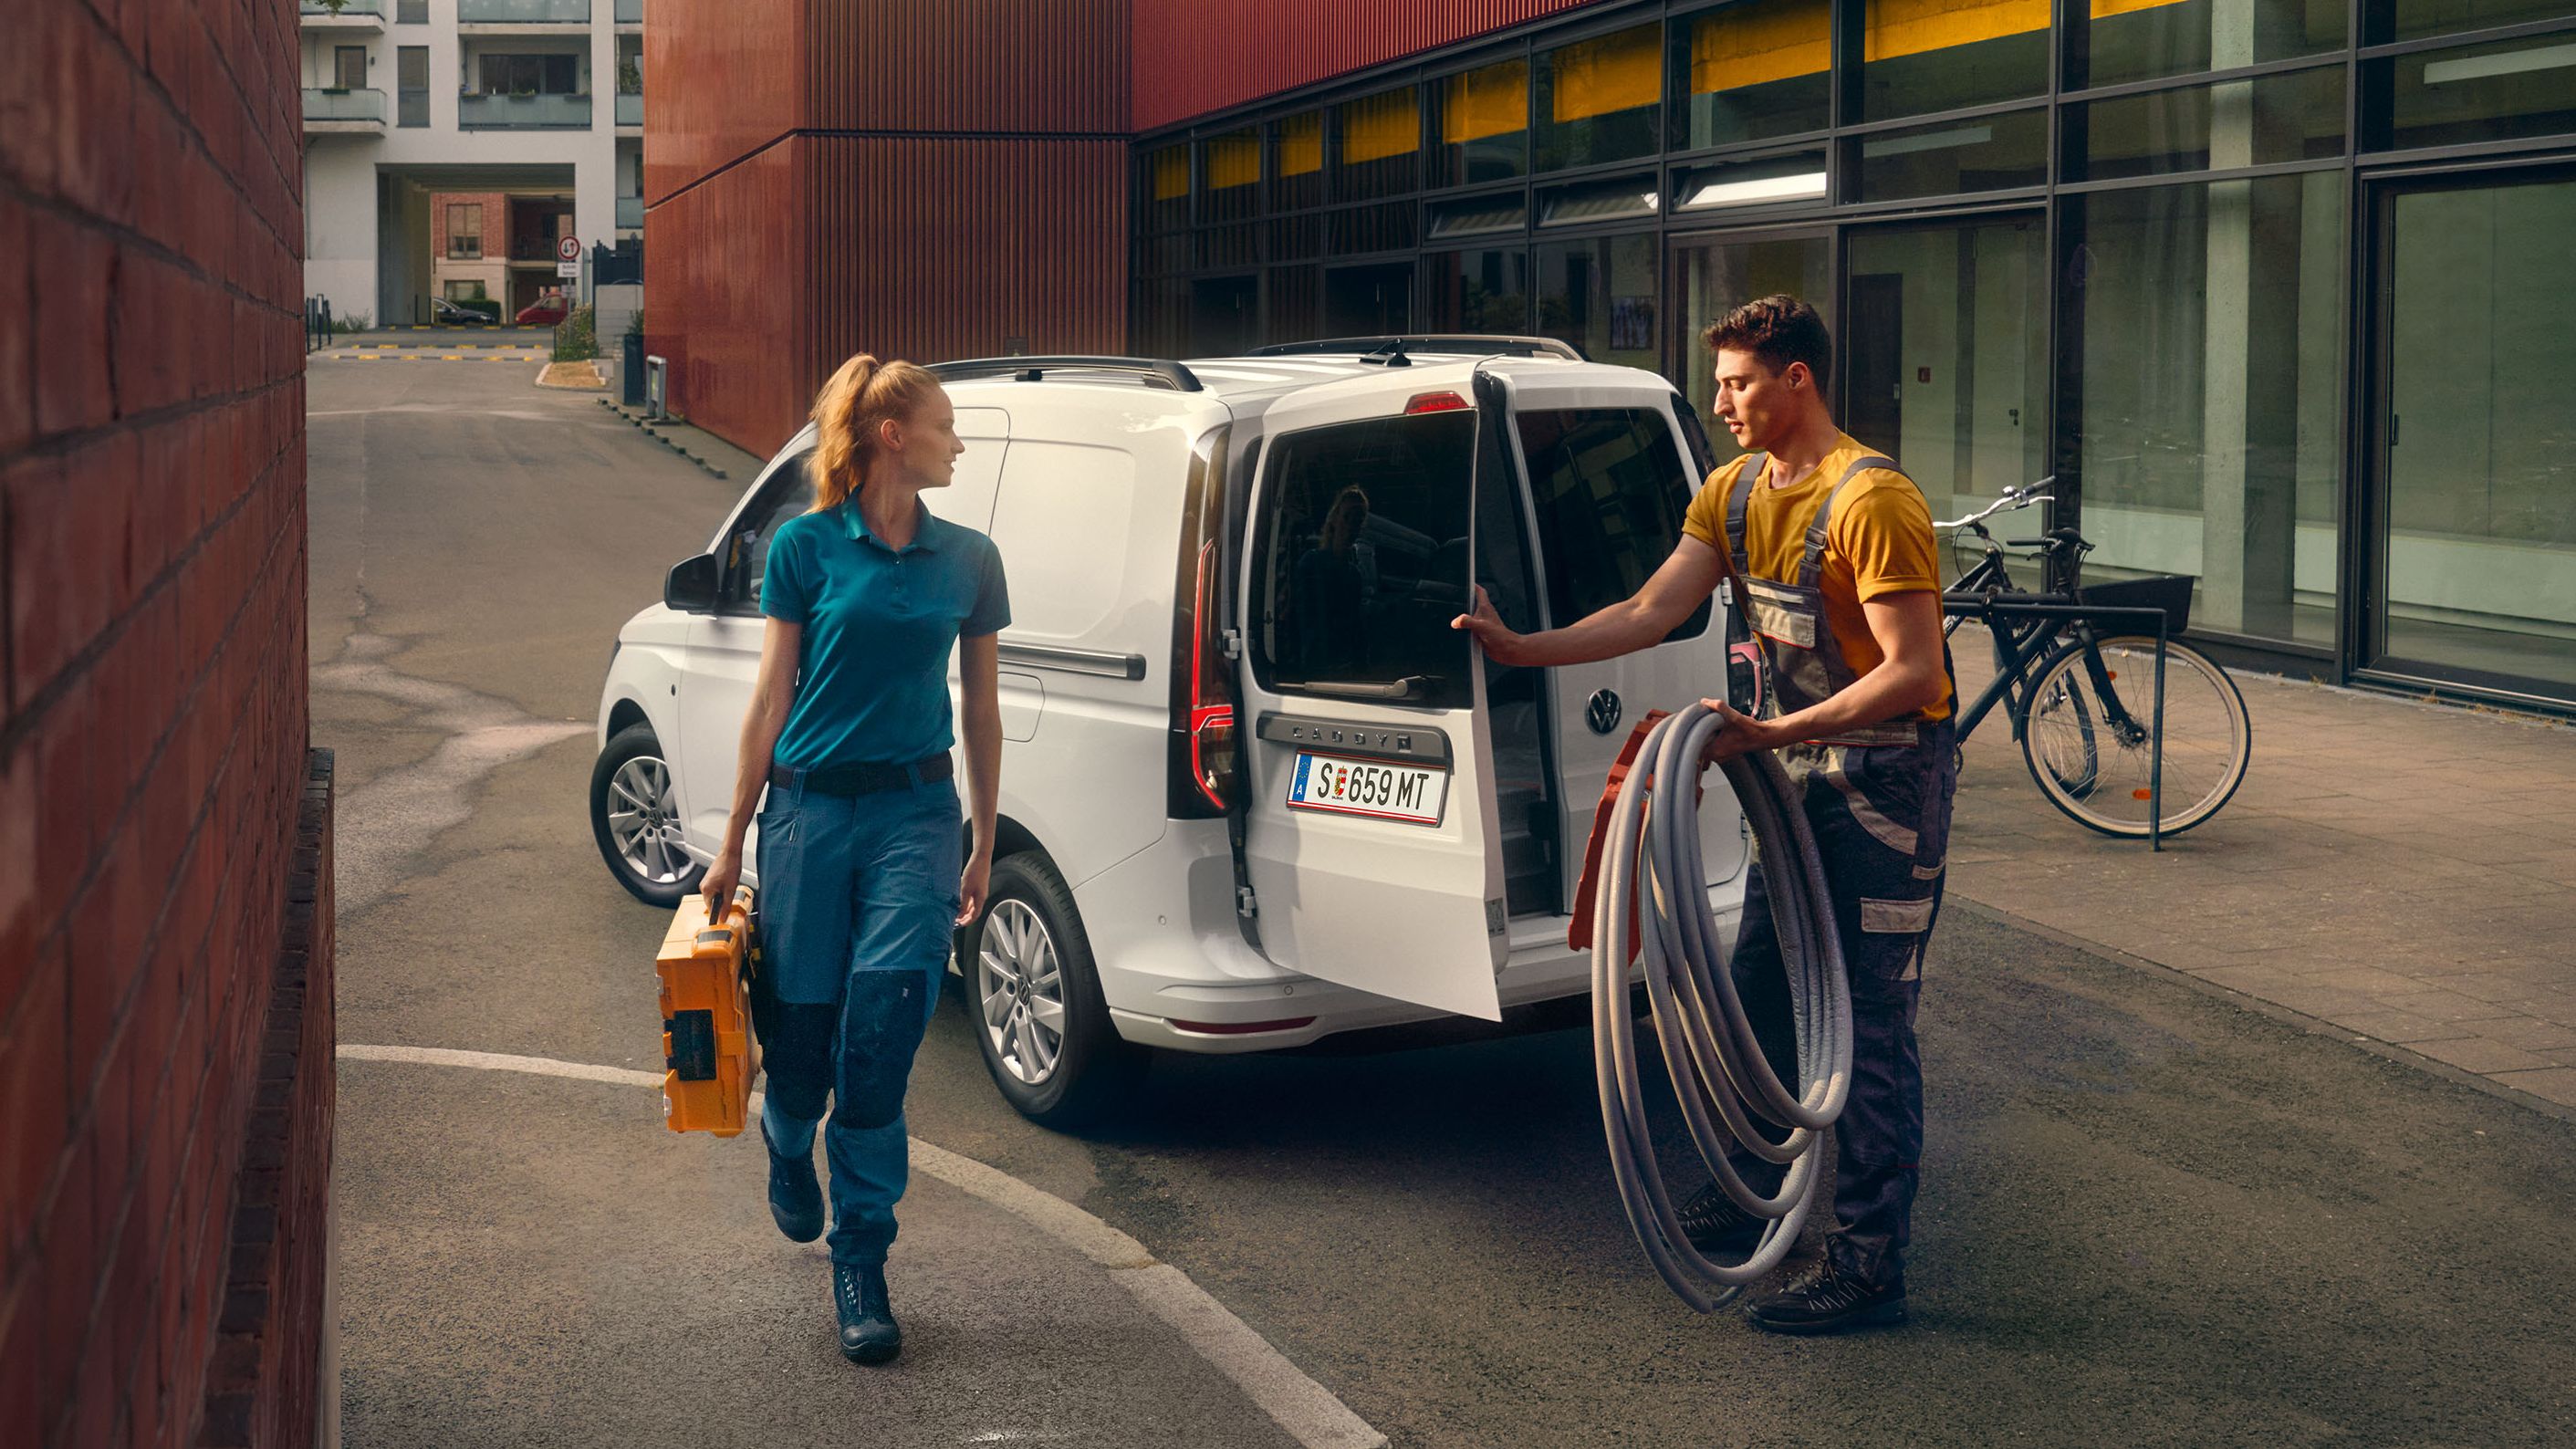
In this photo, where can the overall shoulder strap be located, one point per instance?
(1811, 567)
(1738, 499)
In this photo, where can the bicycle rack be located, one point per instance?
(1988, 607)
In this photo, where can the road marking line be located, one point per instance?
(1308, 1411)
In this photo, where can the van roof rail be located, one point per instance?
(1467, 342)
(1156, 371)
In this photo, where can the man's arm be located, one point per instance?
(1907, 627)
(1637, 622)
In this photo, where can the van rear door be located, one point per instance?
(1610, 476)
(1370, 827)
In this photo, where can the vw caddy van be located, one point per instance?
(1256, 792)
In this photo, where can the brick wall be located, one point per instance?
(153, 764)
(496, 221)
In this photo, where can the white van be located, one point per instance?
(1255, 790)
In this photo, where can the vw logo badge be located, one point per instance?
(1603, 712)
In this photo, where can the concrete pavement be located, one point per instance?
(2398, 873)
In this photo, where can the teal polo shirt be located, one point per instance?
(872, 674)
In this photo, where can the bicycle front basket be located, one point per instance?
(2169, 592)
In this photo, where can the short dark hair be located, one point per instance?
(1779, 330)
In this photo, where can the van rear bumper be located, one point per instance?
(1170, 951)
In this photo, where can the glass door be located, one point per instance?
(2470, 563)
(1944, 347)
(1717, 273)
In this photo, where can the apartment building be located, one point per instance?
(526, 108)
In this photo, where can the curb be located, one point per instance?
(662, 438)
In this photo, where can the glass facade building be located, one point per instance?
(2282, 291)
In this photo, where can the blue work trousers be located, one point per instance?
(1881, 816)
(858, 894)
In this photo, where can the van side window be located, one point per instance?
(1363, 560)
(1611, 489)
(789, 491)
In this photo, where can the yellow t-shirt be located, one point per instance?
(1879, 542)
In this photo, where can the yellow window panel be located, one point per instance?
(1380, 126)
(1489, 102)
(1171, 173)
(1914, 27)
(1301, 144)
(2103, 9)
(1614, 73)
(1749, 45)
(1233, 160)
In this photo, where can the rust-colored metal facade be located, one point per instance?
(938, 178)
(1192, 57)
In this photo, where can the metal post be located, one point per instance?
(2156, 745)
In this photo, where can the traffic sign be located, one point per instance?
(567, 269)
(568, 250)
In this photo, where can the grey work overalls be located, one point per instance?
(1878, 800)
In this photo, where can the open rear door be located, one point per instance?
(1370, 830)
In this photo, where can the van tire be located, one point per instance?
(1094, 1069)
(626, 748)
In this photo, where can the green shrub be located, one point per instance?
(577, 336)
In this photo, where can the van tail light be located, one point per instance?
(1201, 768)
(1435, 402)
(1211, 702)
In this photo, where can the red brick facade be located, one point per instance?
(496, 222)
(164, 1096)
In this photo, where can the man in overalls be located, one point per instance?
(1840, 580)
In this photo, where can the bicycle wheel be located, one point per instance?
(2087, 738)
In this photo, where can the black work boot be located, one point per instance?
(1825, 1298)
(795, 1198)
(868, 1330)
(1714, 1224)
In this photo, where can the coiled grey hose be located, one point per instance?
(1708, 1045)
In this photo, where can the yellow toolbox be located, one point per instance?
(706, 1018)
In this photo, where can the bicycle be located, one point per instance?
(2089, 742)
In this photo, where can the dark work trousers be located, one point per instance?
(858, 895)
(1881, 815)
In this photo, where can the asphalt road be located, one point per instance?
(2149, 1217)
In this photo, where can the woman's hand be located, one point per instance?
(722, 877)
(973, 884)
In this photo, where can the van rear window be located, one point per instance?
(1611, 490)
(1363, 560)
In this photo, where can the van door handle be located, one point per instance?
(1409, 687)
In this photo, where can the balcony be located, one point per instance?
(522, 113)
(630, 213)
(630, 109)
(630, 12)
(520, 16)
(352, 15)
(343, 112)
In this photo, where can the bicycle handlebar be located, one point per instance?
(2017, 498)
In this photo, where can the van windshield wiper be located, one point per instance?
(1412, 686)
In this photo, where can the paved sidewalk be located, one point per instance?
(2400, 872)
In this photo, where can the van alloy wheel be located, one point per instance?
(1021, 985)
(644, 821)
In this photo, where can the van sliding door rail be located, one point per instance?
(1159, 372)
(1073, 661)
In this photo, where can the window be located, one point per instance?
(1363, 559)
(1479, 291)
(1297, 164)
(1381, 146)
(1600, 296)
(1750, 71)
(1611, 489)
(746, 563)
(1601, 99)
(1484, 125)
(465, 230)
(349, 67)
(531, 75)
(2500, 91)
(2295, 117)
(411, 73)
(1992, 154)
(1230, 172)
(2134, 40)
(465, 292)
(1940, 55)
(1167, 188)
(2394, 20)
(411, 12)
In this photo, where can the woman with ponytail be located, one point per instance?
(864, 869)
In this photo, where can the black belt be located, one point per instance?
(862, 779)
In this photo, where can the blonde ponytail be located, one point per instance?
(861, 394)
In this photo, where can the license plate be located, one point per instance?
(1341, 785)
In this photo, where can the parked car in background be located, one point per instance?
(546, 311)
(1255, 790)
(448, 314)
